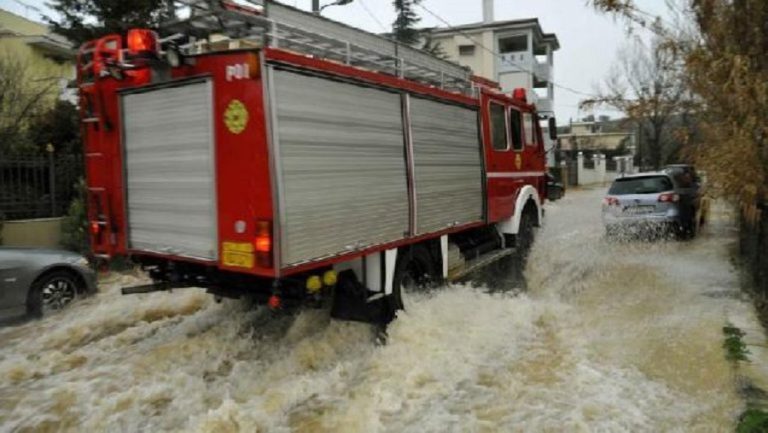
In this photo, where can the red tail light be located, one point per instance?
(142, 41)
(669, 197)
(263, 243)
(274, 302)
(611, 201)
(95, 228)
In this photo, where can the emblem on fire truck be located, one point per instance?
(236, 116)
(518, 161)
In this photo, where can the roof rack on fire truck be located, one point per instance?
(273, 24)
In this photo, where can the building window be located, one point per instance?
(498, 127)
(513, 44)
(466, 50)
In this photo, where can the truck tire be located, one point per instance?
(415, 272)
(525, 234)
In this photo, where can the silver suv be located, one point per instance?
(656, 201)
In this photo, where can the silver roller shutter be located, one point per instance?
(447, 165)
(169, 169)
(342, 162)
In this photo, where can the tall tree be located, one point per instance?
(404, 28)
(84, 20)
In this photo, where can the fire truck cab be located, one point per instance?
(254, 166)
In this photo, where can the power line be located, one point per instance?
(372, 15)
(28, 6)
(495, 54)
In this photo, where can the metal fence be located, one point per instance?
(38, 186)
(754, 242)
(610, 164)
(589, 163)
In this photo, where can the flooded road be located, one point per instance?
(608, 337)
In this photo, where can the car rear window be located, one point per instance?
(641, 185)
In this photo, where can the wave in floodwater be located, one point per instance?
(608, 337)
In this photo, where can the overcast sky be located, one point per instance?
(588, 40)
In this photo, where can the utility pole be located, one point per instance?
(316, 7)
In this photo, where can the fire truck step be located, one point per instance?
(155, 287)
(475, 264)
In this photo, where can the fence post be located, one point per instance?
(600, 168)
(564, 174)
(579, 167)
(51, 177)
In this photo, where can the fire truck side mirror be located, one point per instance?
(552, 128)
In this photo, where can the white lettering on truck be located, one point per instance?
(239, 71)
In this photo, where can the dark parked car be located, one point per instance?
(654, 200)
(555, 189)
(35, 282)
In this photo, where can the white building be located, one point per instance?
(515, 53)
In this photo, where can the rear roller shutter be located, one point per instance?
(169, 170)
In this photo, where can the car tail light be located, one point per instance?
(611, 201)
(669, 197)
(263, 243)
(142, 41)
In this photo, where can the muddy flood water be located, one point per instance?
(607, 337)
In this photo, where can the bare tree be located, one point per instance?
(723, 43)
(648, 84)
(21, 98)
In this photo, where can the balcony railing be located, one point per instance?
(524, 61)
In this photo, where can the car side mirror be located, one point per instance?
(552, 128)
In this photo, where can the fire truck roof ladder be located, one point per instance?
(276, 25)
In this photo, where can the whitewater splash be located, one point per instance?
(608, 337)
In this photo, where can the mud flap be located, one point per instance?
(354, 302)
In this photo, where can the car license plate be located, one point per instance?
(639, 210)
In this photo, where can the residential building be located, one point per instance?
(514, 53)
(598, 136)
(48, 59)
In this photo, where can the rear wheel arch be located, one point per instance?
(79, 278)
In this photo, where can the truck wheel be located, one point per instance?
(414, 273)
(524, 239)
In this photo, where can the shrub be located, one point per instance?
(74, 227)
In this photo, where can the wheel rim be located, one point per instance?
(57, 293)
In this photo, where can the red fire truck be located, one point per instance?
(271, 153)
